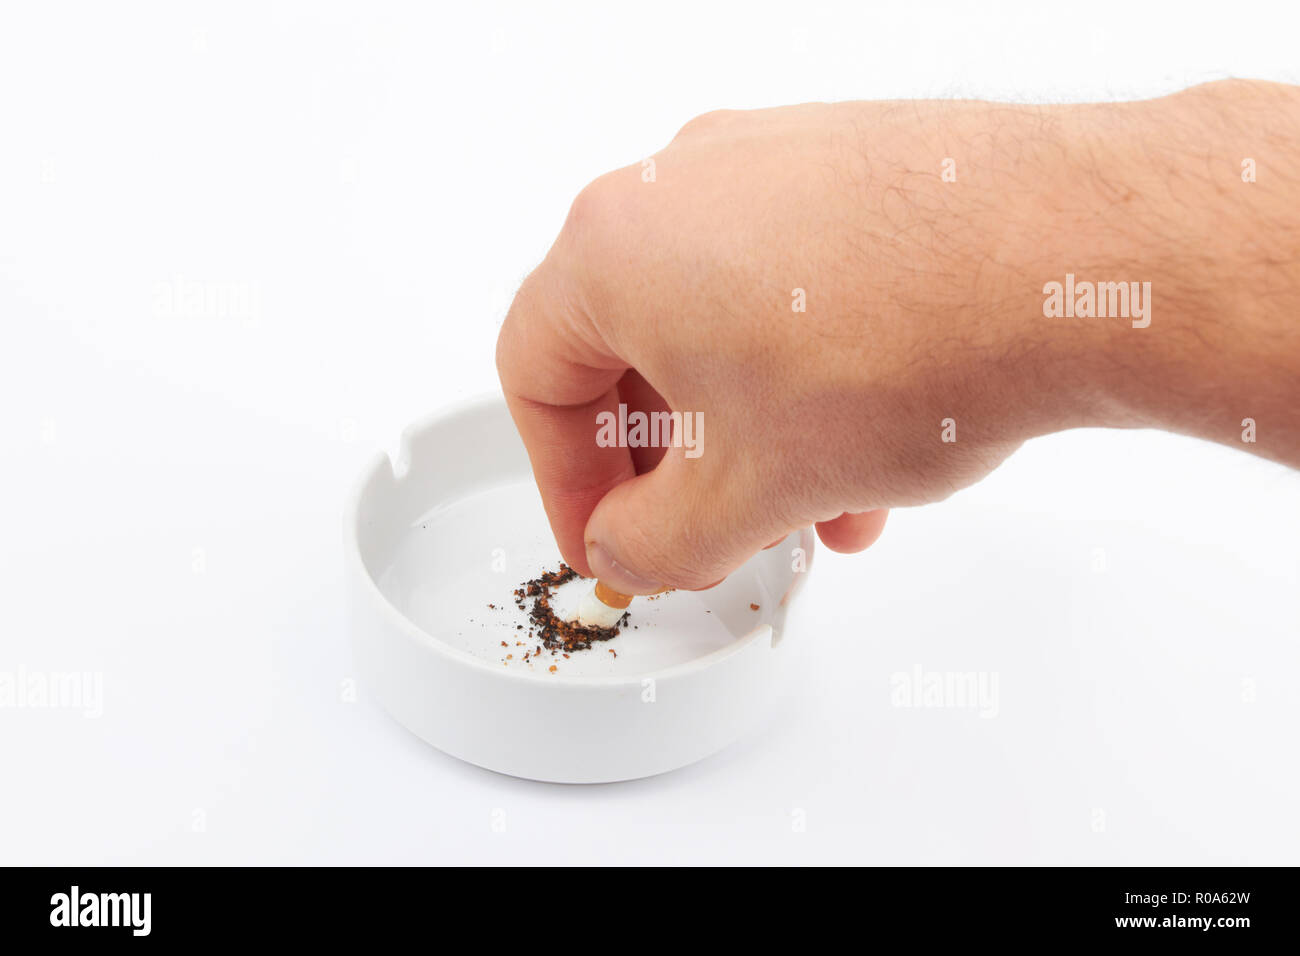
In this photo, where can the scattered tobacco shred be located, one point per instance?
(555, 633)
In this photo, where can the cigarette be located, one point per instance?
(602, 606)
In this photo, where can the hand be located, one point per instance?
(853, 329)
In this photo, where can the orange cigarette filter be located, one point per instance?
(611, 598)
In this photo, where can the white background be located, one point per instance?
(380, 178)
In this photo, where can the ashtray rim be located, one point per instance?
(398, 469)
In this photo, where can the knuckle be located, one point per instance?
(513, 329)
(704, 123)
(595, 208)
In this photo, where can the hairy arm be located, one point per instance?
(1199, 195)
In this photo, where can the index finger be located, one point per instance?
(557, 376)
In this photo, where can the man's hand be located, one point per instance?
(851, 300)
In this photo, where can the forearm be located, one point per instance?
(1161, 193)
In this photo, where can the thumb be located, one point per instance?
(676, 526)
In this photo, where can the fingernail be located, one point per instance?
(613, 574)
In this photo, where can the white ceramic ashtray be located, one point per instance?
(438, 542)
